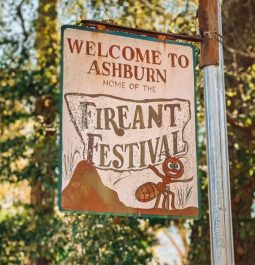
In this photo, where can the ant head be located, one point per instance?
(173, 167)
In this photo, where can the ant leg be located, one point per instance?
(173, 199)
(157, 201)
(164, 202)
(168, 199)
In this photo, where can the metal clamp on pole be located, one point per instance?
(221, 234)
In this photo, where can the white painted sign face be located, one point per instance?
(128, 125)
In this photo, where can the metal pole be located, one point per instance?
(222, 252)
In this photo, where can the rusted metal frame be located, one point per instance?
(102, 25)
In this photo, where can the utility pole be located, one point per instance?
(221, 234)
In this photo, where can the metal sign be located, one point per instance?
(128, 133)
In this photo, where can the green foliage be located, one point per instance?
(73, 239)
(108, 240)
(240, 94)
(36, 232)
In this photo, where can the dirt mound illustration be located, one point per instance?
(86, 192)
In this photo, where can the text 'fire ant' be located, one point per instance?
(173, 170)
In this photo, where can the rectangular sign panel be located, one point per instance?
(128, 131)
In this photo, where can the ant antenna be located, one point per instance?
(185, 158)
(186, 149)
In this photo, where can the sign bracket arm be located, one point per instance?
(103, 25)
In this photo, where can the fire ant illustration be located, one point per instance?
(173, 170)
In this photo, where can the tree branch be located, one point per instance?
(19, 14)
(250, 55)
(180, 253)
(249, 129)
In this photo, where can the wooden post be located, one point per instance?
(208, 27)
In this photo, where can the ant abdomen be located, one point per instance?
(147, 192)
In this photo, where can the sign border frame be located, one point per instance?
(60, 106)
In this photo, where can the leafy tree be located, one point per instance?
(36, 232)
(238, 29)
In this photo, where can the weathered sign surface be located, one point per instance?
(128, 143)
